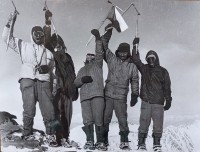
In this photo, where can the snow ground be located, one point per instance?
(184, 138)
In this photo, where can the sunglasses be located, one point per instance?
(38, 33)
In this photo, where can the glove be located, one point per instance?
(96, 33)
(109, 26)
(167, 105)
(12, 17)
(136, 40)
(134, 99)
(135, 56)
(86, 79)
(48, 16)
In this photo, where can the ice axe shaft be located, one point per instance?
(136, 24)
(15, 8)
(11, 25)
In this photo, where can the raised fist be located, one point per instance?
(136, 40)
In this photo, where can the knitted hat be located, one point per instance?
(90, 54)
(123, 47)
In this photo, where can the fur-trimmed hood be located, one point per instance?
(151, 52)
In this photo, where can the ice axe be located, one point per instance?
(11, 25)
(45, 9)
(136, 35)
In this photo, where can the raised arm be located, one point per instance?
(108, 54)
(136, 56)
(47, 31)
(99, 53)
(13, 43)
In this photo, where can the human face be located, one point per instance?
(38, 37)
(151, 61)
(122, 55)
(89, 57)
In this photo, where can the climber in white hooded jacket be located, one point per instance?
(37, 70)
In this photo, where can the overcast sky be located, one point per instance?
(171, 28)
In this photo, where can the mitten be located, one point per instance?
(167, 105)
(86, 79)
(134, 99)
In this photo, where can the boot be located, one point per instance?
(100, 145)
(89, 131)
(66, 143)
(156, 144)
(51, 141)
(124, 140)
(58, 138)
(141, 141)
(106, 135)
(29, 137)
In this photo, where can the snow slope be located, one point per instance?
(184, 138)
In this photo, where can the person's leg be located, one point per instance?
(145, 120)
(56, 104)
(88, 122)
(65, 118)
(98, 105)
(48, 113)
(157, 116)
(108, 112)
(29, 102)
(68, 115)
(120, 108)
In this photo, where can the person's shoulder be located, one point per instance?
(164, 69)
(68, 55)
(82, 69)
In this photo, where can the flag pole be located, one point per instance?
(105, 20)
(92, 36)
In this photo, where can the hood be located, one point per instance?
(87, 62)
(35, 28)
(151, 52)
(57, 38)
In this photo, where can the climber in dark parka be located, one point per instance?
(155, 92)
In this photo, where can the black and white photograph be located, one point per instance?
(100, 75)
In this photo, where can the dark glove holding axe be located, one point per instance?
(48, 16)
(135, 51)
